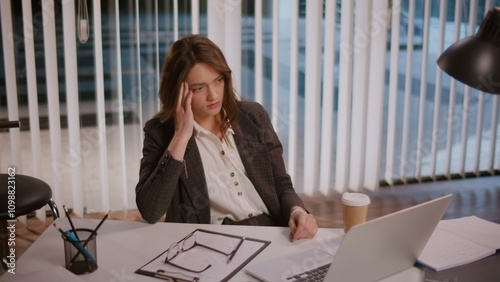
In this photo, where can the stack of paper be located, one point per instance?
(460, 241)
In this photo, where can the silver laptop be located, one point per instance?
(370, 251)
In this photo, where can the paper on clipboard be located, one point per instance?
(198, 258)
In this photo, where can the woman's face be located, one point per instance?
(207, 86)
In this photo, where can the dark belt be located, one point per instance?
(262, 220)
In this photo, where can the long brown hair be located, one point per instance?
(180, 59)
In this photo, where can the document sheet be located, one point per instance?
(209, 257)
(456, 242)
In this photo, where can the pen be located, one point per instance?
(94, 232)
(235, 250)
(70, 222)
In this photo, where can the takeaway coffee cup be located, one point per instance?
(354, 209)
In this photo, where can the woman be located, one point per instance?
(209, 158)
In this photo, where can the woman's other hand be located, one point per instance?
(302, 224)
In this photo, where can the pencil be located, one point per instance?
(70, 222)
(98, 226)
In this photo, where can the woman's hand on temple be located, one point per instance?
(184, 123)
(184, 119)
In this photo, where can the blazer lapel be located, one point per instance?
(251, 143)
(195, 185)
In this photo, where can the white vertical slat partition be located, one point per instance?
(119, 106)
(157, 45)
(176, 20)
(361, 104)
(258, 52)
(423, 93)
(360, 79)
(480, 116)
(479, 132)
(293, 96)
(195, 16)
(436, 133)
(71, 73)
(10, 80)
(139, 98)
(314, 16)
(497, 154)
(327, 117)
(101, 107)
(494, 122)
(275, 58)
(10, 84)
(467, 93)
(393, 92)
(452, 100)
(216, 15)
(50, 51)
(407, 96)
(233, 40)
(345, 96)
(376, 95)
(29, 46)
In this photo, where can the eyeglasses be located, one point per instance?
(186, 244)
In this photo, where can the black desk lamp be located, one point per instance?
(475, 60)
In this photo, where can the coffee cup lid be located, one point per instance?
(355, 199)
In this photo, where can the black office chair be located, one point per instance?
(27, 194)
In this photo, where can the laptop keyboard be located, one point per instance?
(316, 274)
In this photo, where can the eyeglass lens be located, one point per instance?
(185, 245)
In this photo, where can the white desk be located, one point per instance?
(125, 246)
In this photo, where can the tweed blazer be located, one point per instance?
(179, 189)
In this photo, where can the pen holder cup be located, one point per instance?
(81, 256)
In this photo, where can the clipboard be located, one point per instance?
(221, 247)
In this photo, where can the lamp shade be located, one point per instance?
(475, 60)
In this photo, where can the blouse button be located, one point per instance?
(235, 183)
(223, 153)
(240, 193)
(232, 174)
(250, 215)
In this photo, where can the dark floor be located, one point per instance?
(471, 196)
